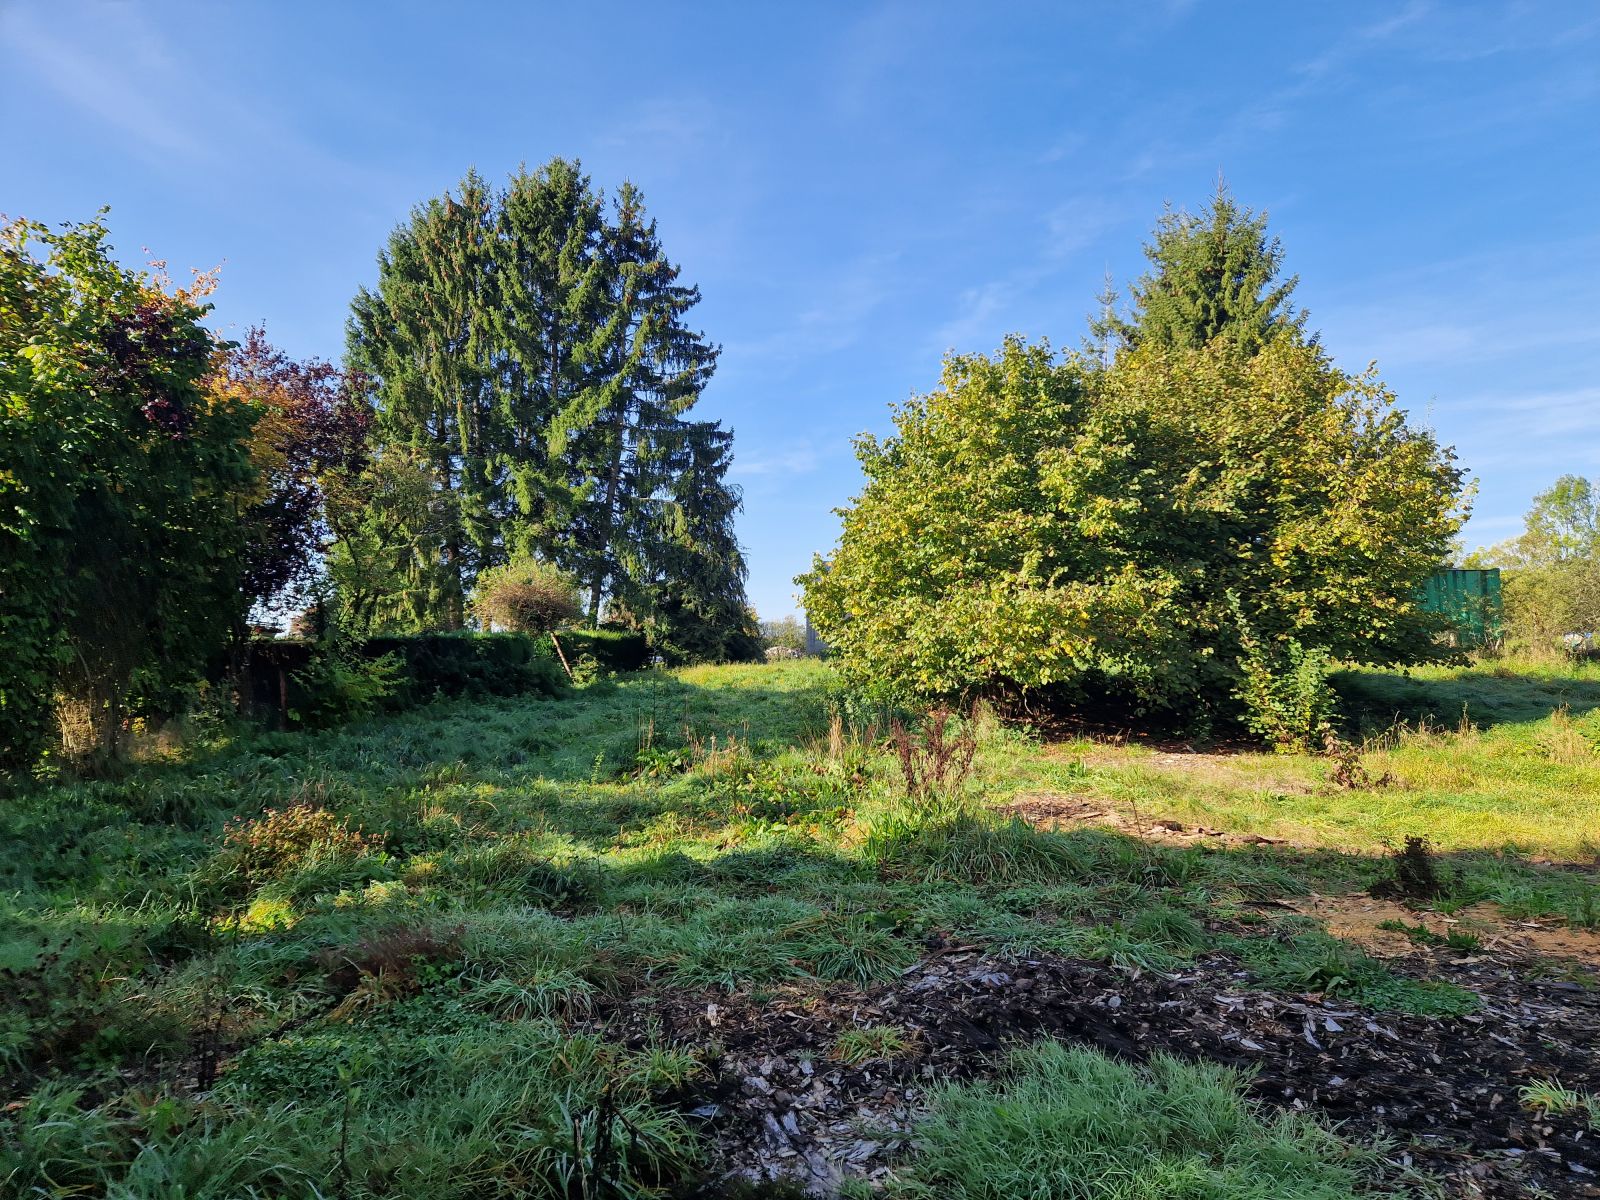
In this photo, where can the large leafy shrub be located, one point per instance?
(341, 683)
(460, 664)
(614, 650)
(1288, 701)
(1056, 526)
(396, 672)
(120, 486)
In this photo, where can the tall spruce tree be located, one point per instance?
(1215, 274)
(424, 339)
(691, 577)
(656, 368)
(551, 320)
(532, 347)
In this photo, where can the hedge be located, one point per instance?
(484, 664)
(436, 664)
(614, 651)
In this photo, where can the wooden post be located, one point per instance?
(562, 657)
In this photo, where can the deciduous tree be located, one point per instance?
(1552, 569)
(1090, 533)
(120, 547)
(311, 436)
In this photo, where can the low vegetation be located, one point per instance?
(394, 958)
(1068, 1124)
(552, 911)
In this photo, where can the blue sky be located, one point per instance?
(858, 188)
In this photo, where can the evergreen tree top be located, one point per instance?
(1214, 274)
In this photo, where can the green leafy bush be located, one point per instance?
(298, 677)
(614, 651)
(1075, 531)
(1287, 699)
(120, 540)
(461, 664)
(525, 595)
(341, 683)
(260, 849)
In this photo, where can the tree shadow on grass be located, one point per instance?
(1486, 695)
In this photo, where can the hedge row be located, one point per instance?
(448, 664)
(491, 664)
(613, 651)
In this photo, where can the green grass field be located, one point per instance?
(368, 962)
(1481, 759)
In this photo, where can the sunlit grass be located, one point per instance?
(1069, 1124)
(1521, 772)
(515, 867)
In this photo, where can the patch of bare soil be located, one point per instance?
(1050, 810)
(1370, 922)
(1443, 1092)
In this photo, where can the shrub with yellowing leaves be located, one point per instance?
(1058, 526)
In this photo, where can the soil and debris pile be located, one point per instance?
(1442, 1092)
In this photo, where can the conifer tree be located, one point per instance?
(688, 579)
(1214, 274)
(656, 368)
(532, 348)
(425, 340)
(550, 322)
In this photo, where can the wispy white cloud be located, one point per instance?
(1062, 232)
(1469, 33)
(1424, 332)
(161, 100)
(1358, 40)
(835, 317)
(1561, 413)
(873, 46)
(1473, 308)
(120, 89)
(1080, 222)
(797, 460)
(1546, 431)
(1063, 148)
(1275, 109)
(976, 317)
(667, 129)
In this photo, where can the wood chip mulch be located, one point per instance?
(1442, 1093)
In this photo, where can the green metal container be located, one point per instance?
(1470, 600)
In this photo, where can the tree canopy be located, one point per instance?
(530, 356)
(310, 438)
(1552, 568)
(1562, 526)
(1215, 274)
(1034, 524)
(1177, 521)
(121, 543)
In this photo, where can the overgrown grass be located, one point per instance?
(1069, 1124)
(374, 960)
